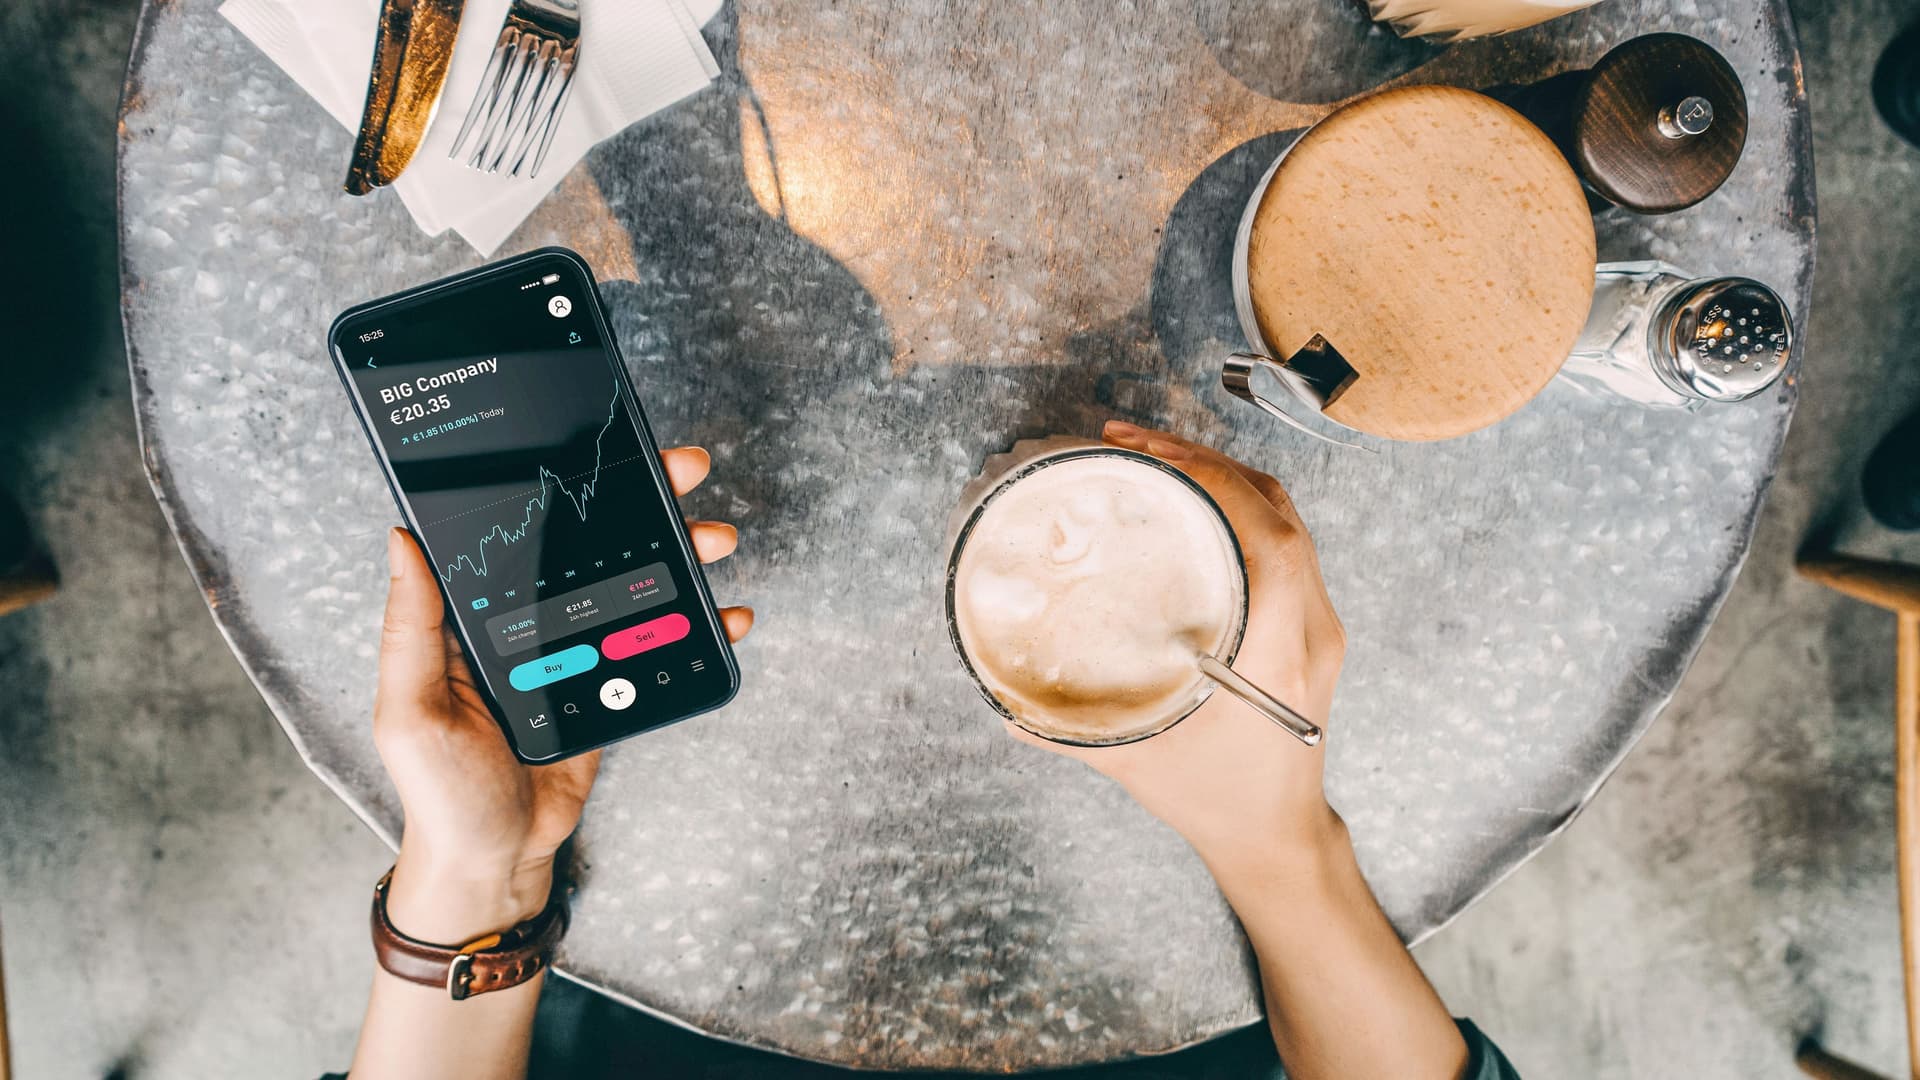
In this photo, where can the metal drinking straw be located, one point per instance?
(1260, 701)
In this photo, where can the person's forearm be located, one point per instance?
(1344, 997)
(418, 1032)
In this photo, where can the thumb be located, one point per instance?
(413, 651)
(1260, 527)
(1274, 547)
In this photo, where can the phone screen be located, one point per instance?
(522, 462)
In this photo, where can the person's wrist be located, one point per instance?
(1312, 845)
(453, 902)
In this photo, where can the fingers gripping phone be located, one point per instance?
(502, 415)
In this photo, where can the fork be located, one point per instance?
(517, 107)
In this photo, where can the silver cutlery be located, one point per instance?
(517, 107)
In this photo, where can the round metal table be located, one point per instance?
(893, 238)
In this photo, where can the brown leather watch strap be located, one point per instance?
(481, 966)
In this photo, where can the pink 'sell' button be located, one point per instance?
(651, 634)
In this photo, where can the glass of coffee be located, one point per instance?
(1097, 596)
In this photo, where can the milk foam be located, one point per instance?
(1087, 590)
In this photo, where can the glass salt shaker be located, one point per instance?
(1661, 336)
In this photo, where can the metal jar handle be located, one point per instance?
(1317, 375)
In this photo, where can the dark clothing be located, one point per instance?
(675, 1053)
(1484, 1060)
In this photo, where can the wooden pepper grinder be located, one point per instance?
(1654, 126)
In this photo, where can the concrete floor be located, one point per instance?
(180, 898)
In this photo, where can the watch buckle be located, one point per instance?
(460, 976)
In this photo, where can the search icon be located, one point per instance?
(571, 709)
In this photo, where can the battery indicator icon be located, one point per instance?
(550, 279)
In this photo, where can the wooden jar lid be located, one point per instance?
(1440, 243)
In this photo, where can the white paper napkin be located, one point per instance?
(636, 57)
(1456, 20)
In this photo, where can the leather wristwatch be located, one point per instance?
(494, 962)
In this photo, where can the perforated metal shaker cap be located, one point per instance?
(1722, 339)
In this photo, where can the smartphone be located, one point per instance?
(519, 457)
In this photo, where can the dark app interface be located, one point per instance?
(509, 435)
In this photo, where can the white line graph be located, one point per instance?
(550, 482)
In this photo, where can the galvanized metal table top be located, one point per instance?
(893, 238)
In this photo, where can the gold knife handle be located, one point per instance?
(411, 53)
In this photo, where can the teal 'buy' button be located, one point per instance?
(564, 664)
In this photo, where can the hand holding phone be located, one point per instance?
(482, 827)
(502, 415)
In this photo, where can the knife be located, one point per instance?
(411, 54)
